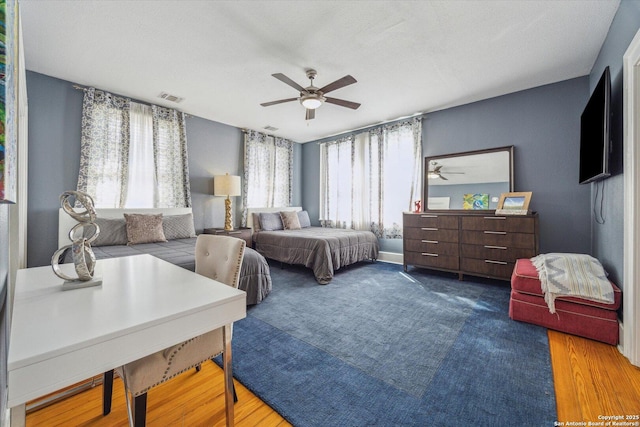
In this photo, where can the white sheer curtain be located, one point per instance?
(336, 183)
(141, 182)
(396, 152)
(368, 180)
(268, 172)
(132, 155)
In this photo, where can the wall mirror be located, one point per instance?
(472, 180)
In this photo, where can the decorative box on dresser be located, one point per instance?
(477, 244)
(243, 233)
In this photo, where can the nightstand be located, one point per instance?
(243, 233)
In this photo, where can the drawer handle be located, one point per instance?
(496, 232)
(430, 241)
(428, 216)
(495, 217)
(495, 262)
(235, 232)
(495, 247)
(428, 254)
(429, 229)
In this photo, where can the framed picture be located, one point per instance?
(8, 101)
(514, 203)
(475, 201)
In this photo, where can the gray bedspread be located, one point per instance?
(324, 250)
(255, 277)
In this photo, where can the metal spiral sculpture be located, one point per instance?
(84, 259)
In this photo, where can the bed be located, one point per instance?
(179, 249)
(323, 250)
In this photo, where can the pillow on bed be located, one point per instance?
(290, 220)
(270, 221)
(144, 228)
(303, 218)
(178, 226)
(256, 221)
(113, 231)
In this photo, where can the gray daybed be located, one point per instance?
(179, 249)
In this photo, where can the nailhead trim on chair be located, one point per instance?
(239, 264)
(175, 374)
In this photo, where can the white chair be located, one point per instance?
(217, 257)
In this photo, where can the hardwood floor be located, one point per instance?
(191, 399)
(591, 379)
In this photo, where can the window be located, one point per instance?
(369, 179)
(132, 155)
(268, 172)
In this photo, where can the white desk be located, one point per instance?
(144, 305)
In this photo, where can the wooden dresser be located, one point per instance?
(469, 243)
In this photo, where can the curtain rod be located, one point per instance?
(245, 131)
(79, 87)
(363, 129)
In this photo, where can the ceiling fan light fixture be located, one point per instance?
(433, 175)
(311, 101)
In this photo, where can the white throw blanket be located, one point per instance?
(573, 275)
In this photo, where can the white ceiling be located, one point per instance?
(409, 57)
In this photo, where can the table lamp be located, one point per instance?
(226, 185)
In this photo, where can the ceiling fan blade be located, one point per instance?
(345, 81)
(342, 103)
(287, 80)
(310, 114)
(280, 101)
(442, 177)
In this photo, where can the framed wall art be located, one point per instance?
(8, 101)
(514, 203)
(475, 201)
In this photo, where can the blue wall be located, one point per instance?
(543, 125)
(55, 112)
(608, 238)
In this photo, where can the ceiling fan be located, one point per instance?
(436, 172)
(312, 97)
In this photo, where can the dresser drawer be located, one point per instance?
(498, 238)
(499, 269)
(496, 253)
(428, 259)
(431, 233)
(431, 246)
(519, 224)
(431, 220)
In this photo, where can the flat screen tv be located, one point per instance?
(595, 133)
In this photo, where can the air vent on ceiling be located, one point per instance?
(169, 97)
(271, 128)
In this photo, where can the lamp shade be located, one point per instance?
(226, 185)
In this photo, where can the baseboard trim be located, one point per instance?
(621, 337)
(391, 257)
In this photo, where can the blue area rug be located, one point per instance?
(381, 347)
